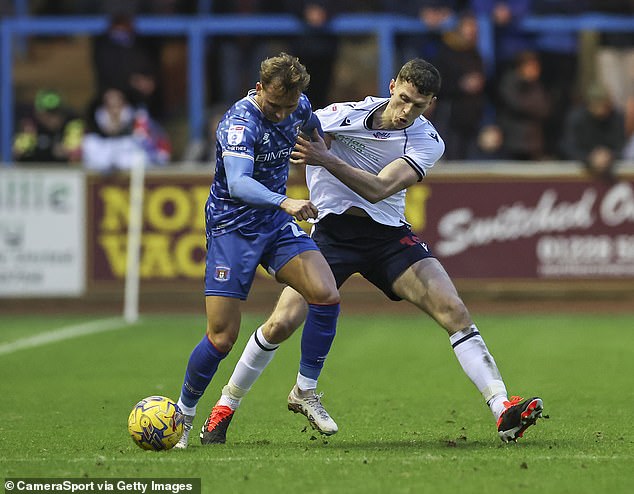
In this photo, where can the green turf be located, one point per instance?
(409, 420)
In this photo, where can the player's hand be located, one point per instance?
(310, 152)
(300, 209)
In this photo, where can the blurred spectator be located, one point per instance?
(135, 7)
(234, 61)
(7, 7)
(49, 133)
(615, 60)
(355, 61)
(119, 134)
(122, 61)
(462, 99)
(594, 133)
(509, 40)
(43, 7)
(490, 144)
(433, 15)
(318, 49)
(523, 108)
(204, 150)
(558, 52)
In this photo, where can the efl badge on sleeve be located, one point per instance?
(222, 273)
(235, 134)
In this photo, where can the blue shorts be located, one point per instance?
(233, 257)
(381, 253)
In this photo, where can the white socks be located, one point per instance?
(185, 409)
(478, 364)
(254, 359)
(305, 383)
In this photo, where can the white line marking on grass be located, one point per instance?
(177, 458)
(66, 333)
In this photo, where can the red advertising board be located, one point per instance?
(173, 231)
(173, 238)
(529, 229)
(491, 228)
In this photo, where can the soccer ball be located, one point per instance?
(155, 423)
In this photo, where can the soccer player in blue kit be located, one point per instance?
(374, 149)
(250, 221)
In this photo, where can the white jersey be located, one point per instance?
(362, 147)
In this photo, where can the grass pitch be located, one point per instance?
(410, 421)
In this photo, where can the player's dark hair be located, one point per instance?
(284, 72)
(422, 74)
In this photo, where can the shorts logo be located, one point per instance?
(235, 134)
(411, 239)
(407, 241)
(222, 273)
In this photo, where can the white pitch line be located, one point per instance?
(177, 458)
(66, 333)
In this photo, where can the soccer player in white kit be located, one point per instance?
(373, 150)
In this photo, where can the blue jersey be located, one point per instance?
(245, 132)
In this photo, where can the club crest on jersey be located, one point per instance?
(382, 135)
(235, 134)
(222, 273)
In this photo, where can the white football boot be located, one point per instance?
(188, 421)
(309, 404)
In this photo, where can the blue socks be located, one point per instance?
(201, 368)
(319, 332)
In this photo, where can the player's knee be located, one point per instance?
(221, 337)
(277, 330)
(454, 315)
(324, 296)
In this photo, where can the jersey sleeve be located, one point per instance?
(332, 116)
(237, 137)
(423, 151)
(242, 185)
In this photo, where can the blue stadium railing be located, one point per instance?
(198, 30)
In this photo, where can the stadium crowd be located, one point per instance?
(537, 104)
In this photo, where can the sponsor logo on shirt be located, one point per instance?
(235, 134)
(274, 155)
(352, 143)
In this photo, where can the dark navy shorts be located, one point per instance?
(233, 258)
(357, 244)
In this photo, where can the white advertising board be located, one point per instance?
(42, 233)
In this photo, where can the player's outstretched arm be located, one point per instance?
(396, 176)
(244, 187)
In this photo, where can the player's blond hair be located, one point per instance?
(284, 72)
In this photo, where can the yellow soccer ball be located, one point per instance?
(155, 423)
